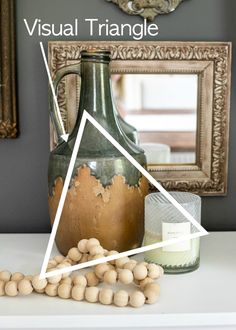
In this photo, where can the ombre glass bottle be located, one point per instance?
(106, 194)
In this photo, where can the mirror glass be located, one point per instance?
(163, 109)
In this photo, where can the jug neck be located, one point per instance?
(96, 95)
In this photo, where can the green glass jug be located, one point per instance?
(106, 194)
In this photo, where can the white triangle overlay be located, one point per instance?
(44, 274)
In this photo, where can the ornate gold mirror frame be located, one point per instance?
(8, 120)
(148, 9)
(211, 61)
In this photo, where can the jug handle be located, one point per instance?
(61, 73)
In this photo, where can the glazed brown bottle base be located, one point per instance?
(114, 215)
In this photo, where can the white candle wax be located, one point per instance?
(171, 258)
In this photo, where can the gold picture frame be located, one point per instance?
(8, 116)
(211, 61)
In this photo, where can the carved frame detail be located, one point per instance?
(8, 118)
(211, 61)
(148, 9)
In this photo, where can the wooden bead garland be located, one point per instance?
(84, 287)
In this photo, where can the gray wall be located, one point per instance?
(23, 164)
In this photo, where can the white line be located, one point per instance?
(52, 88)
(122, 254)
(86, 116)
(63, 195)
(146, 173)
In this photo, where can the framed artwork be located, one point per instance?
(8, 117)
(206, 66)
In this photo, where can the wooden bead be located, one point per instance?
(111, 267)
(140, 272)
(153, 287)
(84, 258)
(97, 256)
(17, 276)
(105, 296)
(144, 282)
(137, 299)
(77, 292)
(96, 249)
(68, 262)
(110, 277)
(111, 253)
(74, 254)
(91, 294)
(59, 259)
(64, 265)
(80, 280)
(92, 279)
(66, 280)
(125, 276)
(82, 245)
(39, 284)
(52, 263)
(121, 298)
(25, 287)
(54, 279)
(121, 262)
(51, 290)
(5, 276)
(2, 288)
(105, 252)
(92, 242)
(11, 289)
(101, 269)
(151, 296)
(130, 265)
(154, 271)
(64, 291)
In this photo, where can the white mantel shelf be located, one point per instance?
(204, 299)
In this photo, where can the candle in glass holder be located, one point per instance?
(163, 221)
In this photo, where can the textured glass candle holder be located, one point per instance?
(163, 221)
